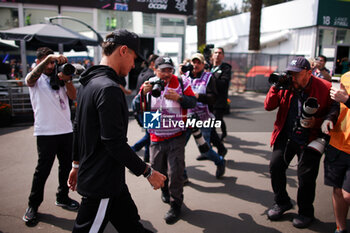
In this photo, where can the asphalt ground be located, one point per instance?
(235, 203)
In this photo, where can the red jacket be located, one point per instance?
(317, 88)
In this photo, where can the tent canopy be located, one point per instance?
(49, 35)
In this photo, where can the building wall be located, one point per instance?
(298, 17)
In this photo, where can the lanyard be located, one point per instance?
(56, 93)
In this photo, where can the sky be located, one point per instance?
(230, 3)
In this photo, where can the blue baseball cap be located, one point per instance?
(298, 64)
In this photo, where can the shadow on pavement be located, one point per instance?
(245, 101)
(246, 146)
(63, 223)
(213, 222)
(261, 169)
(230, 187)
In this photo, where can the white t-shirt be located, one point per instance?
(51, 108)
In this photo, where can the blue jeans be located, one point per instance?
(143, 142)
(211, 154)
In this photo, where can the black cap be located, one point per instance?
(164, 62)
(298, 64)
(130, 39)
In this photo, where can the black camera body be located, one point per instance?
(158, 86)
(282, 81)
(187, 67)
(66, 69)
(207, 54)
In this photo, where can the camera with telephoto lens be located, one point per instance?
(310, 107)
(318, 145)
(158, 86)
(301, 129)
(198, 137)
(282, 81)
(66, 69)
(187, 67)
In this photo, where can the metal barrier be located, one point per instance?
(16, 94)
(242, 63)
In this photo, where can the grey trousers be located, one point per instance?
(168, 157)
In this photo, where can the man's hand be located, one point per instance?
(172, 95)
(326, 126)
(156, 179)
(339, 95)
(61, 59)
(147, 87)
(72, 179)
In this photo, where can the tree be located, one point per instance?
(246, 4)
(255, 17)
(254, 28)
(201, 22)
(216, 10)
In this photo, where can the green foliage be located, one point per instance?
(246, 4)
(216, 10)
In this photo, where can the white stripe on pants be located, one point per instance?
(101, 212)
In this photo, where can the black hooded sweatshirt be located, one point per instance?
(100, 129)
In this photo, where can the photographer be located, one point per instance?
(320, 69)
(205, 91)
(170, 98)
(52, 127)
(293, 130)
(337, 156)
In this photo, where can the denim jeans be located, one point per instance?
(143, 142)
(211, 154)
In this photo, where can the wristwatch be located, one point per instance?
(75, 165)
(148, 172)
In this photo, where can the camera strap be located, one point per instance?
(301, 100)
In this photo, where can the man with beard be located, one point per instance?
(53, 128)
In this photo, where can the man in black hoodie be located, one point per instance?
(100, 149)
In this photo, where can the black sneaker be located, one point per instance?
(276, 211)
(340, 231)
(222, 151)
(173, 215)
(220, 169)
(165, 197)
(30, 215)
(302, 221)
(69, 204)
